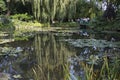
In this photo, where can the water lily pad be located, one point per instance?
(91, 43)
(10, 51)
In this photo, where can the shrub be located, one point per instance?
(6, 24)
(22, 17)
(2, 6)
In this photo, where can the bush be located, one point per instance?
(100, 23)
(22, 17)
(6, 24)
(2, 6)
(65, 24)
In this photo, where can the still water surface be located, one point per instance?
(44, 57)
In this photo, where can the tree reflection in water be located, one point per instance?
(51, 55)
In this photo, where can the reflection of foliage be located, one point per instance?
(23, 35)
(6, 24)
(51, 55)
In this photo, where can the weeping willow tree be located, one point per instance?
(50, 10)
(72, 9)
(44, 10)
(67, 10)
(61, 10)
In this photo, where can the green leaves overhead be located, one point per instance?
(50, 10)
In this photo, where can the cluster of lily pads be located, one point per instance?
(23, 36)
(90, 43)
(10, 51)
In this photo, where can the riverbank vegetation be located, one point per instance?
(57, 13)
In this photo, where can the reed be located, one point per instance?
(108, 71)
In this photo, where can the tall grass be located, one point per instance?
(108, 70)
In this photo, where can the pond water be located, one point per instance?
(57, 55)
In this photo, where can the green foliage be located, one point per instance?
(65, 24)
(2, 6)
(19, 35)
(22, 17)
(87, 9)
(6, 24)
(50, 10)
(108, 71)
(99, 23)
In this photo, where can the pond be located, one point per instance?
(64, 54)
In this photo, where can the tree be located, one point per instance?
(109, 13)
(50, 10)
(2, 6)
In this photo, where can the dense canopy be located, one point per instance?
(49, 10)
(61, 10)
